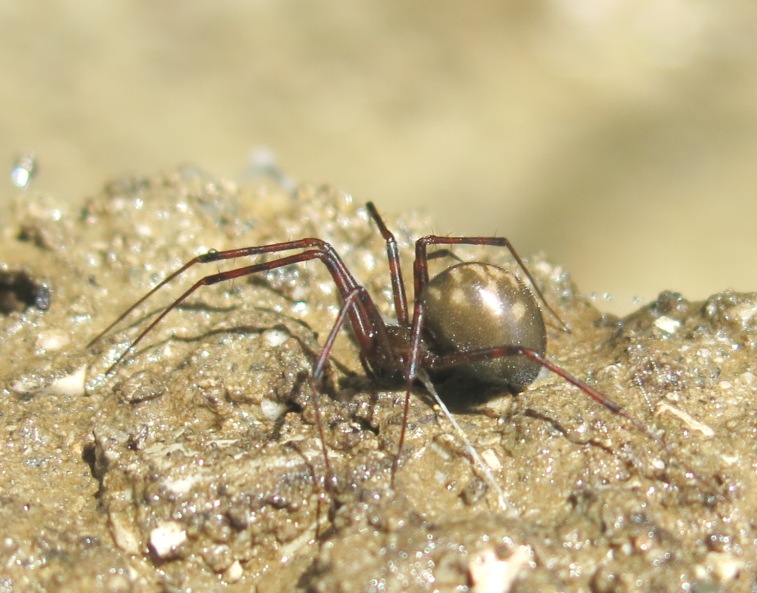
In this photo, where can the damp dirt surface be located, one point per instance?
(195, 464)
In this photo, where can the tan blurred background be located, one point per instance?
(618, 136)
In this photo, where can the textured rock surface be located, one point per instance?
(197, 460)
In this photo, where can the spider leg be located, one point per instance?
(411, 373)
(213, 256)
(364, 316)
(357, 307)
(454, 359)
(461, 358)
(392, 254)
(422, 256)
(317, 374)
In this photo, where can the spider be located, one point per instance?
(474, 320)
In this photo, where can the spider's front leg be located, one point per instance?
(362, 315)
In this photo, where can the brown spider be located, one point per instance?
(473, 319)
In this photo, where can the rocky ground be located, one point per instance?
(195, 464)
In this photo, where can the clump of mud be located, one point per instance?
(197, 461)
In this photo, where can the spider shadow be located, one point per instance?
(465, 395)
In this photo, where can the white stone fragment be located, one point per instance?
(182, 485)
(166, 539)
(234, 572)
(52, 340)
(690, 421)
(491, 574)
(667, 324)
(272, 410)
(123, 534)
(25, 385)
(491, 459)
(724, 567)
(72, 384)
(275, 337)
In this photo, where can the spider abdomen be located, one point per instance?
(473, 306)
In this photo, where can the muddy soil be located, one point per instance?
(195, 463)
